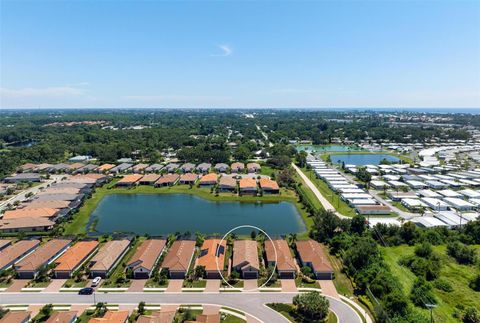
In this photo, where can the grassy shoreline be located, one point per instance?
(77, 225)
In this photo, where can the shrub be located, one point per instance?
(443, 285)
(311, 307)
(424, 250)
(421, 293)
(475, 284)
(461, 252)
(471, 316)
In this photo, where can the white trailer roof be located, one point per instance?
(428, 193)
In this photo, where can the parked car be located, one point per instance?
(85, 291)
(96, 281)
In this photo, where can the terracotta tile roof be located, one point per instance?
(16, 317)
(268, 184)
(90, 175)
(42, 254)
(128, 179)
(238, 165)
(168, 178)
(228, 181)
(75, 166)
(105, 167)
(11, 253)
(60, 190)
(151, 178)
(157, 317)
(43, 166)
(188, 177)
(208, 254)
(179, 255)
(46, 204)
(108, 254)
(247, 183)
(27, 166)
(211, 177)
(312, 251)
(245, 253)
(253, 165)
(111, 317)
(75, 255)
(4, 243)
(284, 257)
(30, 213)
(147, 254)
(62, 317)
(22, 223)
(138, 167)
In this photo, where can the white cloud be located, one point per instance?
(226, 50)
(47, 92)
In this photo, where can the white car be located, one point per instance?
(96, 281)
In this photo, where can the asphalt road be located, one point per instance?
(251, 303)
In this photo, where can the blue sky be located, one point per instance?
(239, 54)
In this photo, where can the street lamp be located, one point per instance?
(431, 307)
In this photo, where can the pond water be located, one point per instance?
(362, 159)
(161, 214)
(328, 148)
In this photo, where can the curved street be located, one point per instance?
(253, 303)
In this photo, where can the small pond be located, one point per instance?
(161, 214)
(362, 159)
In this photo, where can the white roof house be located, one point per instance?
(451, 218)
(428, 193)
(417, 184)
(362, 202)
(413, 203)
(470, 193)
(436, 184)
(391, 177)
(351, 190)
(451, 183)
(459, 204)
(475, 201)
(397, 184)
(379, 184)
(350, 196)
(428, 222)
(469, 182)
(449, 193)
(436, 204)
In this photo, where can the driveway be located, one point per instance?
(17, 285)
(213, 286)
(328, 288)
(55, 285)
(253, 304)
(174, 286)
(250, 285)
(137, 285)
(288, 285)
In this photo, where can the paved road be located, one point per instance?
(34, 190)
(253, 303)
(325, 203)
(264, 136)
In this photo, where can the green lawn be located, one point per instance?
(195, 284)
(77, 225)
(457, 275)
(301, 284)
(231, 319)
(330, 195)
(287, 310)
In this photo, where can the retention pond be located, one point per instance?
(161, 214)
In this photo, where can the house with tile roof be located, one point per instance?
(178, 259)
(17, 317)
(247, 186)
(269, 186)
(29, 266)
(74, 258)
(221, 167)
(47, 213)
(245, 258)
(312, 254)
(167, 180)
(14, 253)
(253, 167)
(188, 178)
(146, 257)
(129, 180)
(149, 179)
(62, 317)
(111, 317)
(227, 183)
(237, 167)
(211, 253)
(107, 258)
(208, 180)
(286, 267)
(204, 167)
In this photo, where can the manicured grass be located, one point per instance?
(287, 310)
(457, 275)
(231, 319)
(330, 195)
(300, 283)
(77, 225)
(195, 284)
